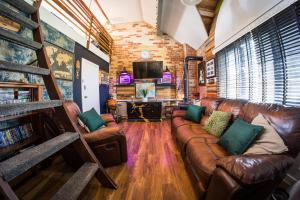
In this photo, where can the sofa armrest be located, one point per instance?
(107, 117)
(178, 113)
(254, 169)
(101, 134)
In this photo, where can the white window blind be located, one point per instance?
(264, 65)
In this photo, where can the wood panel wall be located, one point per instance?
(206, 50)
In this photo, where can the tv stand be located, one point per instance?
(144, 111)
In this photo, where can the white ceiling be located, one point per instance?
(121, 11)
(183, 23)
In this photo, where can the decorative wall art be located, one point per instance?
(103, 77)
(77, 67)
(62, 62)
(66, 87)
(210, 68)
(60, 49)
(149, 86)
(55, 37)
(201, 74)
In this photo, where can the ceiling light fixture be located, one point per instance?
(190, 2)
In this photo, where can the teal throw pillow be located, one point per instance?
(91, 119)
(194, 113)
(239, 136)
(217, 123)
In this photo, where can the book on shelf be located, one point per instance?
(13, 135)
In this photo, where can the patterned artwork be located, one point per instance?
(66, 87)
(16, 54)
(62, 62)
(103, 77)
(149, 86)
(52, 36)
(60, 49)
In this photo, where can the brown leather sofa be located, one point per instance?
(108, 143)
(216, 174)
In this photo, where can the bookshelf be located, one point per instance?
(20, 92)
(12, 140)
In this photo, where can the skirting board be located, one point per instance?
(289, 180)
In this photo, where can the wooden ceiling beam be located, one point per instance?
(206, 12)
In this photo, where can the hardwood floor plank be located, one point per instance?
(154, 170)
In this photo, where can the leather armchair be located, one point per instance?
(108, 143)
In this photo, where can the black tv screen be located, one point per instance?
(150, 69)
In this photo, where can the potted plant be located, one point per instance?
(144, 93)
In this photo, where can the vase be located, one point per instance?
(144, 99)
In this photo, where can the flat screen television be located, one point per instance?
(150, 69)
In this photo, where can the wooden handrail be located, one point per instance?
(85, 20)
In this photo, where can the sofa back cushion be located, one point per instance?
(73, 111)
(232, 106)
(210, 104)
(285, 120)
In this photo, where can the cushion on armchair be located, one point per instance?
(91, 120)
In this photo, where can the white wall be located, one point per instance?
(237, 17)
(149, 11)
(57, 23)
(183, 23)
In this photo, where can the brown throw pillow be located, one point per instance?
(269, 141)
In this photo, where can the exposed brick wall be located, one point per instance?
(130, 39)
(193, 71)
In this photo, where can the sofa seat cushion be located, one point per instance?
(179, 121)
(102, 134)
(187, 132)
(203, 156)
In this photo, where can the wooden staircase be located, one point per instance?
(20, 163)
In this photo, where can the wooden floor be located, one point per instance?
(154, 170)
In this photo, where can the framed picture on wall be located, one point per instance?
(150, 87)
(210, 68)
(201, 74)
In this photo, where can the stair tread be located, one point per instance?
(22, 6)
(17, 39)
(17, 108)
(23, 68)
(22, 162)
(6, 11)
(76, 184)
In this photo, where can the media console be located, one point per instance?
(144, 111)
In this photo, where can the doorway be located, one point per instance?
(90, 95)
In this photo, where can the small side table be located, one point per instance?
(169, 110)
